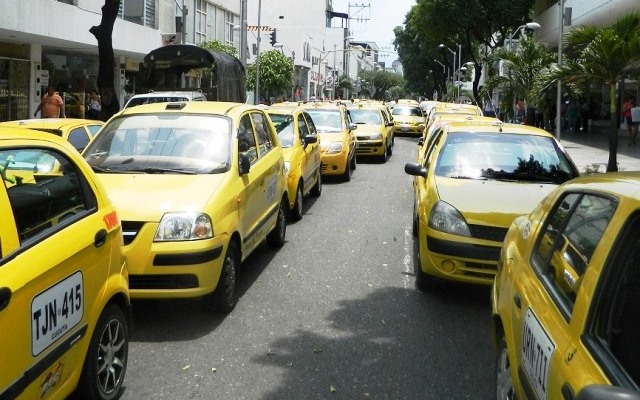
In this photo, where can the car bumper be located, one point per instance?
(370, 148)
(465, 260)
(334, 164)
(407, 130)
(173, 269)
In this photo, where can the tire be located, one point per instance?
(105, 364)
(224, 297)
(391, 148)
(276, 237)
(385, 156)
(298, 206)
(415, 222)
(504, 377)
(354, 162)
(348, 169)
(316, 191)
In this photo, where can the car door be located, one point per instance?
(308, 161)
(549, 300)
(54, 262)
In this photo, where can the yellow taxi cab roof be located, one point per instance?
(625, 183)
(49, 123)
(289, 109)
(495, 125)
(204, 107)
(14, 133)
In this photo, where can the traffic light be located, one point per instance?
(273, 37)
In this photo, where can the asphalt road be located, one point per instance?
(334, 314)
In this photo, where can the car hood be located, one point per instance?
(490, 202)
(327, 138)
(403, 119)
(368, 129)
(146, 197)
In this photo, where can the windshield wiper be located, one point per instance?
(107, 170)
(158, 170)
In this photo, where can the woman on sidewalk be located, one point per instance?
(632, 127)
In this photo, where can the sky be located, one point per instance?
(374, 20)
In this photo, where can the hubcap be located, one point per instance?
(504, 383)
(111, 357)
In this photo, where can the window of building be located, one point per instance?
(141, 12)
(201, 21)
(228, 28)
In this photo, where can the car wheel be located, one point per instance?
(106, 362)
(223, 299)
(298, 207)
(348, 170)
(317, 188)
(504, 379)
(385, 156)
(390, 148)
(276, 237)
(424, 281)
(416, 222)
(354, 162)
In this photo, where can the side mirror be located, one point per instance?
(415, 169)
(308, 139)
(390, 124)
(244, 163)
(607, 392)
(421, 141)
(353, 126)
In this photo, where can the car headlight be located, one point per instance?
(375, 136)
(335, 147)
(184, 226)
(287, 167)
(445, 218)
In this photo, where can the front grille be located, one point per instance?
(494, 233)
(362, 145)
(163, 281)
(130, 230)
(478, 270)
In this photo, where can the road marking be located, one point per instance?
(407, 281)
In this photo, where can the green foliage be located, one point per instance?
(344, 82)
(276, 74)
(380, 81)
(219, 46)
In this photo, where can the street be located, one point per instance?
(334, 314)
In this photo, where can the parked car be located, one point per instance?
(566, 298)
(165, 96)
(301, 150)
(199, 186)
(375, 129)
(76, 131)
(337, 138)
(64, 300)
(473, 180)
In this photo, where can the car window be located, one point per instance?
(247, 139)
(263, 133)
(371, 117)
(407, 111)
(503, 156)
(434, 139)
(45, 189)
(284, 127)
(312, 128)
(302, 125)
(93, 129)
(326, 120)
(79, 138)
(567, 242)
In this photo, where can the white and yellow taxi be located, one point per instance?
(64, 300)
(566, 299)
(473, 180)
(375, 129)
(301, 150)
(199, 185)
(337, 138)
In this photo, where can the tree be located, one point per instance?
(605, 55)
(219, 46)
(381, 81)
(523, 66)
(106, 75)
(276, 74)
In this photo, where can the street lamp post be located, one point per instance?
(256, 100)
(453, 77)
(528, 25)
(559, 84)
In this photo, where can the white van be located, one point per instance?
(160, 97)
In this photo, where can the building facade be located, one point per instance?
(47, 42)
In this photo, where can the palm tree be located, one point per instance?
(523, 65)
(606, 55)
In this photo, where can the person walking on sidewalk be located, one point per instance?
(51, 105)
(632, 128)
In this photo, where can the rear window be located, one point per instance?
(136, 101)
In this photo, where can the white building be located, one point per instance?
(47, 42)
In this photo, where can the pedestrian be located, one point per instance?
(51, 105)
(573, 116)
(94, 105)
(632, 130)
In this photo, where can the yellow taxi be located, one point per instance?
(199, 185)
(473, 180)
(453, 108)
(299, 141)
(64, 299)
(566, 299)
(375, 129)
(76, 131)
(408, 119)
(337, 138)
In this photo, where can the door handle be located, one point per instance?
(100, 238)
(517, 300)
(5, 297)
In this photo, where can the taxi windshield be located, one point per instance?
(370, 117)
(326, 120)
(503, 156)
(407, 111)
(163, 143)
(284, 127)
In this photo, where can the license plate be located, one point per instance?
(537, 350)
(56, 311)
(405, 129)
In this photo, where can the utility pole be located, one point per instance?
(559, 88)
(183, 33)
(256, 100)
(243, 33)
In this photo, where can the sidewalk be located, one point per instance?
(591, 149)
